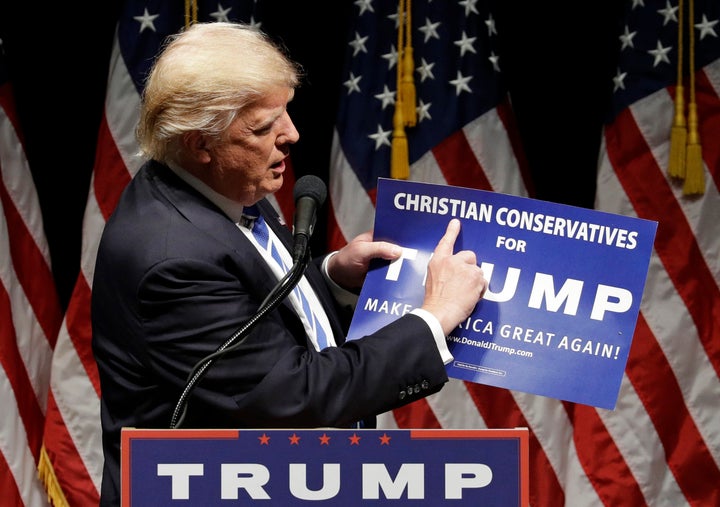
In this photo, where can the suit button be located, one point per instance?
(402, 395)
(416, 389)
(425, 384)
(409, 390)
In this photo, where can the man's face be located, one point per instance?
(250, 162)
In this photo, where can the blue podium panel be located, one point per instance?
(333, 467)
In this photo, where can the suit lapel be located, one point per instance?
(212, 222)
(209, 219)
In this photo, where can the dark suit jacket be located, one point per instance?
(175, 278)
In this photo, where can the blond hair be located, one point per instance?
(203, 77)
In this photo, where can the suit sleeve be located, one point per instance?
(272, 378)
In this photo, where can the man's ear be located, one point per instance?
(197, 146)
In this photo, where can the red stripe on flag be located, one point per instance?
(74, 479)
(23, 392)
(417, 414)
(80, 329)
(708, 107)
(335, 237)
(29, 265)
(651, 197)
(458, 163)
(8, 488)
(111, 175)
(601, 458)
(32, 271)
(499, 410)
(687, 455)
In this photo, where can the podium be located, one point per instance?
(324, 467)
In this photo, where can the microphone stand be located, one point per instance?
(276, 296)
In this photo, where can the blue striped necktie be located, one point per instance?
(262, 236)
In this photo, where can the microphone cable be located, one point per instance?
(271, 301)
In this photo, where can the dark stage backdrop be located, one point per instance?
(558, 58)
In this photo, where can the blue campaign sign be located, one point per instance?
(293, 467)
(565, 285)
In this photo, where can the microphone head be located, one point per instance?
(310, 186)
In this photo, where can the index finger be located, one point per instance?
(447, 243)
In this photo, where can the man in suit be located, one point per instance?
(179, 269)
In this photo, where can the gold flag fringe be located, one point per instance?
(408, 67)
(49, 480)
(694, 170)
(678, 134)
(399, 158)
(191, 10)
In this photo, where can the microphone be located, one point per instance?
(309, 194)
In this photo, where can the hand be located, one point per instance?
(349, 265)
(455, 283)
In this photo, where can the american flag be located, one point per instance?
(72, 438)
(664, 438)
(30, 314)
(465, 133)
(661, 445)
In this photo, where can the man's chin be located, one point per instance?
(276, 182)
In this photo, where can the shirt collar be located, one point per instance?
(231, 208)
